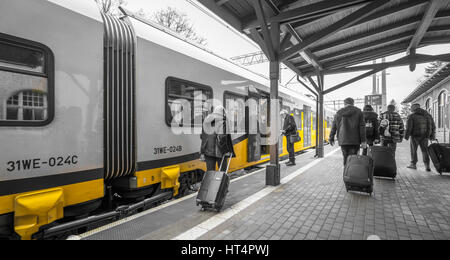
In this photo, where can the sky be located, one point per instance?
(228, 43)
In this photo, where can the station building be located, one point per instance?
(432, 94)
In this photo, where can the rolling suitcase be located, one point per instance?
(214, 188)
(440, 156)
(358, 174)
(384, 162)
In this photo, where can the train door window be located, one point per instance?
(26, 83)
(235, 107)
(442, 102)
(187, 102)
(314, 122)
(298, 118)
(264, 116)
(307, 126)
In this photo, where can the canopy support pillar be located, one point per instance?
(321, 114)
(272, 44)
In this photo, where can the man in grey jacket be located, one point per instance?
(350, 128)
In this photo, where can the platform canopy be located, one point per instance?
(334, 36)
(322, 37)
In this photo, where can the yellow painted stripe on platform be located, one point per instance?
(73, 194)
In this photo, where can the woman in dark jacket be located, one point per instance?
(372, 125)
(216, 140)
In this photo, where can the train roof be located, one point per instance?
(169, 39)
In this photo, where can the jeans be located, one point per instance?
(213, 162)
(348, 150)
(291, 150)
(423, 143)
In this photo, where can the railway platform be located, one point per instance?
(311, 203)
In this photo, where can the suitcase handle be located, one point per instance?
(229, 162)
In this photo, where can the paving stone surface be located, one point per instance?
(316, 206)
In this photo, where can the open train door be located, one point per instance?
(252, 127)
(307, 126)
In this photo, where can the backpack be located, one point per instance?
(370, 129)
(386, 125)
(422, 130)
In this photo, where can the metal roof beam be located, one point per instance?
(306, 54)
(314, 84)
(342, 24)
(367, 56)
(260, 41)
(222, 2)
(418, 58)
(394, 38)
(428, 17)
(390, 11)
(257, 4)
(365, 75)
(309, 12)
(345, 52)
(391, 27)
(286, 41)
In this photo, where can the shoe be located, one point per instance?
(290, 164)
(428, 168)
(412, 166)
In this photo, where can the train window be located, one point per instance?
(21, 58)
(314, 123)
(235, 106)
(26, 83)
(187, 102)
(298, 118)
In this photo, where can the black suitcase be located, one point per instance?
(214, 189)
(358, 174)
(440, 156)
(384, 162)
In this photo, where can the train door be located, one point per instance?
(307, 126)
(252, 127)
(297, 113)
(314, 130)
(264, 119)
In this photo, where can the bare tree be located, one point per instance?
(432, 68)
(178, 22)
(110, 6)
(405, 111)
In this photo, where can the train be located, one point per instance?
(88, 104)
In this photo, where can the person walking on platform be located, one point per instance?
(420, 128)
(372, 125)
(216, 140)
(350, 128)
(392, 128)
(289, 129)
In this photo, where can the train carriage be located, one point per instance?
(88, 106)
